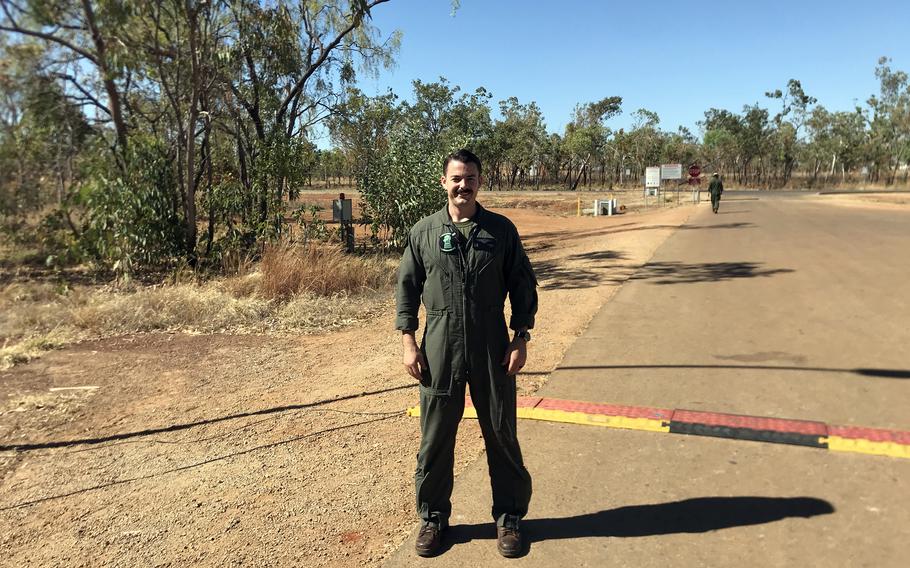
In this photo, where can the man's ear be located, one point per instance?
(442, 181)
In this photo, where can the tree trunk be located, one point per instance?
(581, 172)
(115, 104)
(192, 15)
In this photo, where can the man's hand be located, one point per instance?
(413, 360)
(516, 355)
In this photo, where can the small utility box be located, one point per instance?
(342, 210)
(604, 207)
(342, 213)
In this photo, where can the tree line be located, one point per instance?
(151, 132)
(166, 129)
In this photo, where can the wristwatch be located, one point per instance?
(526, 335)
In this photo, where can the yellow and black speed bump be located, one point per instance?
(876, 441)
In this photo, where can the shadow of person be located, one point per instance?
(697, 515)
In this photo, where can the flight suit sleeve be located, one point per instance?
(411, 276)
(521, 284)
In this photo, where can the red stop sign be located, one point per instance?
(694, 171)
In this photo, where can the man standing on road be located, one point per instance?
(463, 261)
(716, 188)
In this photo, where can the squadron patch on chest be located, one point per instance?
(448, 242)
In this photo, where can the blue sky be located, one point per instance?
(675, 58)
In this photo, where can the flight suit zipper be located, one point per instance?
(464, 293)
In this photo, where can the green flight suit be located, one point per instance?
(463, 283)
(716, 188)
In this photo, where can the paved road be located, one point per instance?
(777, 307)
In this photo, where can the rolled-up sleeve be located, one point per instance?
(522, 286)
(411, 276)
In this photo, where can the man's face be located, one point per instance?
(462, 182)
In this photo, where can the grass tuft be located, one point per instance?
(32, 347)
(289, 270)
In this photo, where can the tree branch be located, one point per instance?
(323, 55)
(84, 91)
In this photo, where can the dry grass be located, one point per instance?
(288, 270)
(295, 290)
(33, 346)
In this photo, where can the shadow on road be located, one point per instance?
(590, 272)
(553, 273)
(698, 515)
(532, 240)
(685, 273)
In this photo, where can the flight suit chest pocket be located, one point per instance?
(436, 378)
(437, 289)
(484, 252)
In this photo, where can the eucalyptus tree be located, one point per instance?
(586, 135)
(646, 138)
(889, 122)
(787, 138)
(837, 140)
(738, 140)
(445, 113)
(41, 132)
(289, 66)
(680, 147)
(520, 135)
(553, 158)
(83, 50)
(400, 183)
(360, 127)
(180, 78)
(754, 141)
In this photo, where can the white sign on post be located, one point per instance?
(652, 180)
(652, 176)
(671, 171)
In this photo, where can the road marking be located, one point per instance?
(856, 439)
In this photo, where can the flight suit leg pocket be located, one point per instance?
(436, 378)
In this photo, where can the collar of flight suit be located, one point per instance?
(480, 234)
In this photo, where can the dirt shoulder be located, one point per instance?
(869, 200)
(215, 450)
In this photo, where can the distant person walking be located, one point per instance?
(716, 188)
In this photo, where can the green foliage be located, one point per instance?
(131, 220)
(311, 225)
(361, 127)
(402, 186)
(447, 117)
(519, 139)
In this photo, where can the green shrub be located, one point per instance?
(401, 186)
(131, 219)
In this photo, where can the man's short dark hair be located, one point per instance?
(465, 157)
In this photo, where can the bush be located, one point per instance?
(131, 219)
(401, 186)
